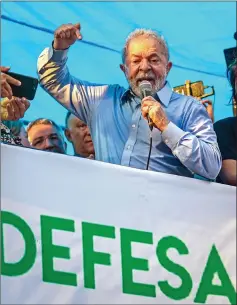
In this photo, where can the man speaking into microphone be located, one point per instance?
(184, 142)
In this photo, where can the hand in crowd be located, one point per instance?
(91, 157)
(209, 107)
(13, 109)
(156, 113)
(66, 35)
(6, 80)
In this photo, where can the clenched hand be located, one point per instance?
(66, 35)
(156, 113)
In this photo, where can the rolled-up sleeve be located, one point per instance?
(195, 145)
(79, 97)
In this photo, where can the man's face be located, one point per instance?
(145, 60)
(47, 138)
(78, 134)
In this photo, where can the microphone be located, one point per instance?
(146, 90)
(235, 35)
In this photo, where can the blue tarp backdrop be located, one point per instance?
(197, 34)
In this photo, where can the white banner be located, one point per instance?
(78, 231)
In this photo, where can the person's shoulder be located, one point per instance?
(229, 121)
(107, 89)
(187, 102)
(226, 126)
(117, 89)
(186, 99)
(110, 92)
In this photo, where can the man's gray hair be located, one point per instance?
(42, 121)
(147, 33)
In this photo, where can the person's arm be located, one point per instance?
(77, 96)
(195, 145)
(228, 172)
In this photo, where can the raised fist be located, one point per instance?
(66, 35)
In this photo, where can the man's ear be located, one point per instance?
(122, 67)
(169, 66)
(68, 134)
(65, 146)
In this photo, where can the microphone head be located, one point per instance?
(145, 88)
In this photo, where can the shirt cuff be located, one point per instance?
(58, 55)
(172, 135)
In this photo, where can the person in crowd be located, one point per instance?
(209, 108)
(184, 141)
(226, 130)
(77, 132)
(46, 135)
(17, 129)
(11, 111)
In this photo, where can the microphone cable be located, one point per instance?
(150, 146)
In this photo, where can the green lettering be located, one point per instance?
(49, 250)
(28, 259)
(91, 257)
(130, 263)
(215, 265)
(184, 290)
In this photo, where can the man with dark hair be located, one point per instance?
(46, 135)
(226, 131)
(77, 132)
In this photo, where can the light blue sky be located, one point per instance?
(197, 33)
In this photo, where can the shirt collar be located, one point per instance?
(127, 95)
(163, 95)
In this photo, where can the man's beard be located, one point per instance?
(156, 84)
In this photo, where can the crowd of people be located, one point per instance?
(109, 123)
